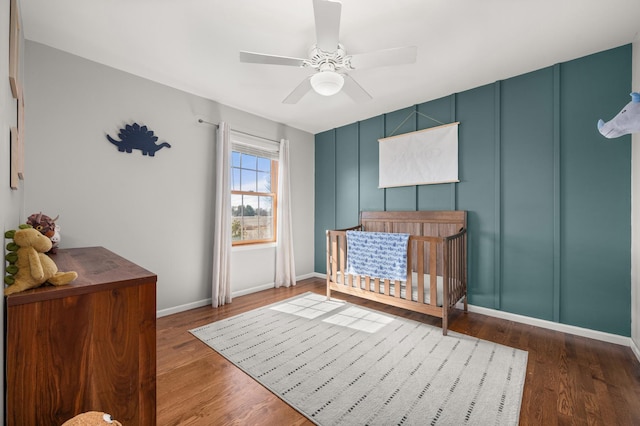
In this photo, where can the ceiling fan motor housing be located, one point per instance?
(329, 61)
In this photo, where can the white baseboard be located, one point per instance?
(635, 349)
(305, 276)
(206, 302)
(550, 325)
(265, 286)
(251, 290)
(182, 308)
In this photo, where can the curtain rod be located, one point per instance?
(200, 120)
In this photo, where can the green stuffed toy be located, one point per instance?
(29, 266)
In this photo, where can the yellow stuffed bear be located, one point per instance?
(32, 267)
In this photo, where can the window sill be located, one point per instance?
(249, 247)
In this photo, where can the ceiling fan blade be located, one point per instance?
(382, 58)
(354, 90)
(261, 58)
(298, 92)
(327, 17)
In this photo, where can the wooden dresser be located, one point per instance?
(86, 346)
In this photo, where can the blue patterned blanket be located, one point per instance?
(377, 254)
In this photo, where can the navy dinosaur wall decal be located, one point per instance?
(136, 137)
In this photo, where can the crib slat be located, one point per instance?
(453, 278)
(433, 275)
(421, 271)
(409, 281)
(343, 253)
(387, 287)
(449, 267)
(328, 249)
(334, 258)
(456, 264)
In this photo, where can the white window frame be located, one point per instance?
(264, 148)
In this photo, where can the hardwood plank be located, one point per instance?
(570, 379)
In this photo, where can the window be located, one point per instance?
(254, 184)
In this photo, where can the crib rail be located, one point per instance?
(436, 262)
(431, 256)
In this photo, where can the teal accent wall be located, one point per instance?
(325, 193)
(548, 198)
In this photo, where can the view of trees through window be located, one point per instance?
(253, 198)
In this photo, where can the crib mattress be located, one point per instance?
(403, 287)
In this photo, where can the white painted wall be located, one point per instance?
(635, 212)
(154, 211)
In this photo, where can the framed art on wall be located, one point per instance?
(14, 49)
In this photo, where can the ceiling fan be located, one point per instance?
(330, 60)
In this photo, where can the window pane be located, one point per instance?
(236, 229)
(266, 206)
(264, 164)
(250, 205)
(236, 205)
(235, 179)
(266, 227)
(235, 159)
(264, 182)
(248, 180)
(249, 161)
(265, 212)
(250, 220)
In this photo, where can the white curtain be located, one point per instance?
(285, 265)
(221, 282)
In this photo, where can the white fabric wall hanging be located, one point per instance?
(419, 158)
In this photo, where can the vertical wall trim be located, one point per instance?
(359, 166)
(415, 128)
(454, 186)
(557, 223)
(497, 220)
(384, 134)
(335, 176)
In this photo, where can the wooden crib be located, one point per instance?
(436, 278)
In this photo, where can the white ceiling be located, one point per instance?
(193, 45)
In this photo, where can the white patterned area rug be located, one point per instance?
(342, 364)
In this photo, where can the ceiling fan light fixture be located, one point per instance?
(327, 83)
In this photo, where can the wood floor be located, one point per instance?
(570, 380)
